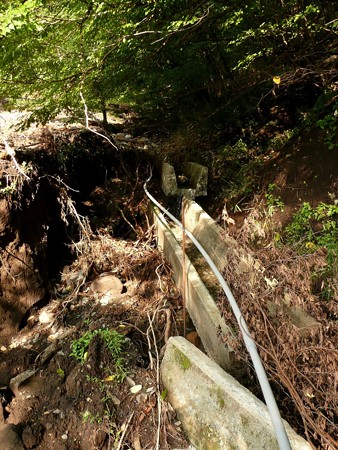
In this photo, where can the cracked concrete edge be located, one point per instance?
(216, 411)
(196, 173)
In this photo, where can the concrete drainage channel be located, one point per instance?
(216, 411)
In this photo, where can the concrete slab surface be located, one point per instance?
(216, 412)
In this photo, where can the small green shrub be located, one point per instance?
(113, 341)
(236, 151)
(87, 416)
(273, 202)
(329, 125)
(314, 227)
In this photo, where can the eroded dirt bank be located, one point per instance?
(63, 283)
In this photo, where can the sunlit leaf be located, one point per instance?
(109, 378)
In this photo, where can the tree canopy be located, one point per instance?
(161, 55)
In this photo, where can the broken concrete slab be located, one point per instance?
(198, 176)
(168, 179)
(215, 410)
(195, 174)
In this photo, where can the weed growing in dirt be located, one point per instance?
(273, 202)
(329, 125)
(113, 341)
(87, 416)
(315, 227)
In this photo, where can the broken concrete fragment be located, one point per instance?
(195, 174)
(215, 410)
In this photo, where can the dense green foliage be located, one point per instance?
(164, 56)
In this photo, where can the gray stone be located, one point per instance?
(215, 410)
(107, 288)
(302, 320)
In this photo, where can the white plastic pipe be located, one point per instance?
(282, 438)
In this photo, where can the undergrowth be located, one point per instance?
(276, 282)
(313, 228)
(114, 343)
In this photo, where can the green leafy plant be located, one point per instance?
(114, 342)
(314, 227)
(329, 124)
(60, 372)
(87, 416)
(8, 190)
(273, 202)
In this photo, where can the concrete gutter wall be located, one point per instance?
(210, 235)
(200, 305)
(217, 412)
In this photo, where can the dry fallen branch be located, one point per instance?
(91, 129)
(11, 153)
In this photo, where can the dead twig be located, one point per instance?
(91, 129)
(124, 428)
(11, 153)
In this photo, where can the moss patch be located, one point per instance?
(182, 359)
